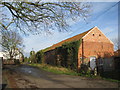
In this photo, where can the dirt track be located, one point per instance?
(24, 76)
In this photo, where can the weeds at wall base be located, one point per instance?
(65, 71)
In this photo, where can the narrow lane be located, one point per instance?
(31, 77)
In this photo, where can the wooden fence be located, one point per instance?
(108, 64)
(109, 67)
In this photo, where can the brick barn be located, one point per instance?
(94, 44)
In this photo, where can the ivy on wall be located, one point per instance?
(65, 55)
(69, 54)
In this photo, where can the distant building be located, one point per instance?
(2, 55)
(5, 56)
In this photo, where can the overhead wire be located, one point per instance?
(95, 18)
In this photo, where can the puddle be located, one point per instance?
(30, 71)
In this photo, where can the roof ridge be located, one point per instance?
(74, 38)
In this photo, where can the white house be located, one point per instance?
(4, 55)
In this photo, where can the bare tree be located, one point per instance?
(43, 16)
(116, 43)
(11, 44)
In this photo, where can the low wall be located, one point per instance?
(11, 62)
(6, 62)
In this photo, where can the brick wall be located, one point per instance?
(97, 49)
(95, 43)
(95, 35)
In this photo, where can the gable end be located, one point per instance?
(99, 34)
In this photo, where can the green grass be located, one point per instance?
(62, 70)
(55, 69)
(112, 80)
(66, 71)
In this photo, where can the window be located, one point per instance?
(93, 35)
(99, 34)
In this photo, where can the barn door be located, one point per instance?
(92, 62)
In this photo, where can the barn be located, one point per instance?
(82, 48)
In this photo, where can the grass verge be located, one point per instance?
(55, 69)
(66, 71)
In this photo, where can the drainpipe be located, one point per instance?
(82, 53)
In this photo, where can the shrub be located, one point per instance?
(40, 56)
(32, 57)
(16, 61)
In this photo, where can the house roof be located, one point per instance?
(74, 38)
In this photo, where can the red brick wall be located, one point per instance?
(95, 43)
(97, 37)
(97, 49)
